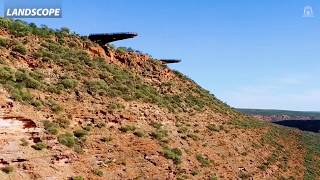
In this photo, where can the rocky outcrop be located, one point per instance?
(96, 51)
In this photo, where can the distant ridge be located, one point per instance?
(275, 113)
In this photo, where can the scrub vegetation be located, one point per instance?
(115, 112)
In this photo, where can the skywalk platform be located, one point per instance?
(105, 38)
(170, 61)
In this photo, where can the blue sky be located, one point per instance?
(249, 53)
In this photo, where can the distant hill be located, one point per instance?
(274, 114)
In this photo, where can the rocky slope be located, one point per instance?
(71, 109)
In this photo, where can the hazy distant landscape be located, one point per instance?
(303, 120)
(292, 115)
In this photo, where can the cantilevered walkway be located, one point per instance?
(105, 38)
(170, 61)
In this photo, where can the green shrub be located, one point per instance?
(183, 130)
(77, 178)
(22, 76)
(7, 169)
(156, 125)
(3, 42)
(194, 172)
(55, 107)
(17, 88)
(24, 142)
(247, 123)
(245, 175)
(115, 106)
(193, 136)
(47, 124)
(53, 130)
(51, 127)
(68, 83)
(213, 127)
(213, 177)
(111, 46)
(96, 87)
(20, 48)
(54, 88)
(204, 161)
(173, 154)
(19, 28)
(312, 143)
(78, 149)
(180, 75)
(3, 61)
(88, 127)
(62, 122)
(139, 133)
(67, 139)
(64, 30)
(39, 146)
(122, 50)
(36, 103)
(61, 41)
(44, 31)
(80, 133)
(106, 139)
(6, 74)
(127, 128)
(37, 75)
(32, 83)
(20, 94)
(98, 172)
(160, 134)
